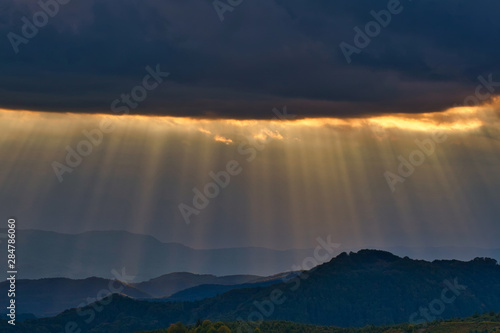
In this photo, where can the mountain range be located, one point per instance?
(51, 296)
(352, 290)
(99, 253)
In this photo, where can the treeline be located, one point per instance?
(485, 323)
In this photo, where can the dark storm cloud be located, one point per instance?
(264, 54)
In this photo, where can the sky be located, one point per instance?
(118, 114)
(427, 58)
(281, 183)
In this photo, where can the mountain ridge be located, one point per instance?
(351, 290)
(97, 253)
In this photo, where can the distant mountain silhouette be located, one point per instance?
(49, 297)
(189, 287)
(168, 284)
(356, 289)
(97, 253)
(210, 290)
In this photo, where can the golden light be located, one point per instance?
(312, 177)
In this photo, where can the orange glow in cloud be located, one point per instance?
(454, 119)
(222, 139)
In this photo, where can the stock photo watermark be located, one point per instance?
(485, 84)
(266, 307)
(30, 28)
(221, 179)
(11, 269)
(363, 37)
(94, 137)
(483, 92)
(100, 301)
(416, 158)
(223, 6)
(437, 306)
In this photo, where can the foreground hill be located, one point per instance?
(352, 290)
(368, 287)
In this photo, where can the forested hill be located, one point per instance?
(352, 290)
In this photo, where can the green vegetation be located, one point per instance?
(486, 323)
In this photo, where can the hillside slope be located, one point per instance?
(352, 290)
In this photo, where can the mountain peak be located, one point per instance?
(366, 256)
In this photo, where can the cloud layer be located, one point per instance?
(262, 55)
